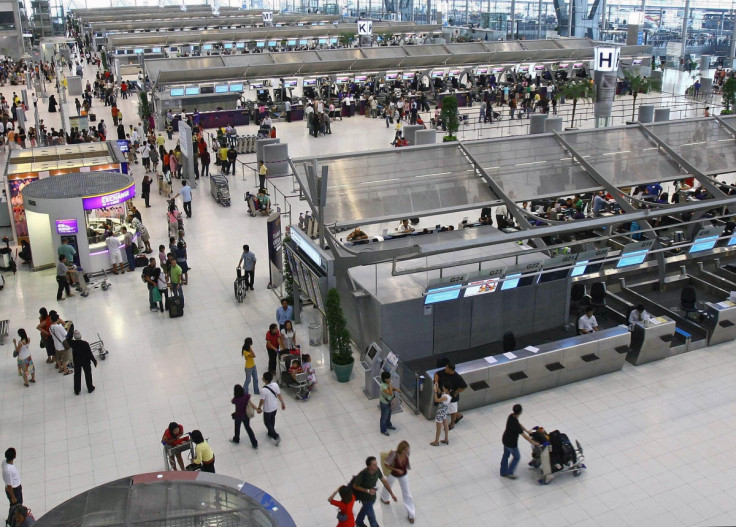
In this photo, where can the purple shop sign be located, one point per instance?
(108, 200)
(66, 227)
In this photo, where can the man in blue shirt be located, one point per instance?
(599, 203)
(284, 313)
(186, 197)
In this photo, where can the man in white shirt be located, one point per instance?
(270, 397)
(113, 249)
(186, 198)
(145, 153)
(13, 488)
(587, 323)
(638, 315)
(58, 334)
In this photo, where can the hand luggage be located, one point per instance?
(239, 286)
(176, 308)
(141, 260)
(92, 117)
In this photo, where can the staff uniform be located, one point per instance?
(588, 324)
(635, 317)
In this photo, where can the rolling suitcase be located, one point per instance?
(92, 117)
(176, 309)
(239, 286)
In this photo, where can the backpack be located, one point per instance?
(351, 485)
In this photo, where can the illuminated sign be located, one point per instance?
(107, 200)
(442, 294)
(67, 227)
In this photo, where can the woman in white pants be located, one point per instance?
(398, 461)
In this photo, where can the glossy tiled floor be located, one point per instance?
(656, 437)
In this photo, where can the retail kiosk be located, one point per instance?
(81, 208)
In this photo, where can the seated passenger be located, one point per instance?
(405, 227)
(578, 215)
(485, 216)
(638, 315)
(264, 202)
(587, 323)
(356, 235)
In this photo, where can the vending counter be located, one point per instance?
(81, 208)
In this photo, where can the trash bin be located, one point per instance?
(315, 334)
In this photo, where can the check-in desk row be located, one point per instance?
(530, 370)
(720, 321)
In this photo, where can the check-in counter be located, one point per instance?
(652, 340)
(720, 321)
(533, 369)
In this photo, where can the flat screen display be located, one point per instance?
(732, 241)
(177, 92)
(193, 90)
(138, 50)
(273, 44)
(438, 74)
(632, 258)
(392, 76)
(221, 88)
(323, 41)
(236, 87)
(240, 45)
(310, 82)
(156, 50)
(579, 268)
(442, 294)
(66, 227)
(342, 80)
(703, 244)
(207, 89)
(291, 42)
(123, 146)
(511, 282)
(497, 70)
(481, 71)
(290, 83)
(538, 68)
(371, 354)
(454, 73)
(306, 247)
(303, 42)
(557, 274)
(361, 78)
(636, 62)
(523, 69)
(333, 41)
(228, 46)
(260, 44)
(207, 47)
(408, 76)
(481, 287)
(256, 85)
(578, 65)
(564, 65)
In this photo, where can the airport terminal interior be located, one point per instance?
(649, 405)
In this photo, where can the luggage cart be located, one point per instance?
(164, 185)
(171, 451)
(220, 189)
(556, 456)
(99, 347)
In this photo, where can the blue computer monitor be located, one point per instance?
(229, 46)
(221, 88)
(156, 50)
(323, 41)
(260, 44)
(177, 92)
(632, 258)
(333, 41)
(240, 45)
(273, 44)
(303, 42)
(442, 294)
(192, 90)
(138, 50)
(291, 42)
(703, 244)
(732, 241)
(511, 281)
(207, 47)
(579, 268)
(236, 87)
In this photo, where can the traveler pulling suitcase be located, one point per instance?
(176, 308)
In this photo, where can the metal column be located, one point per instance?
(684, 29)
(539, 20)
(513, 20)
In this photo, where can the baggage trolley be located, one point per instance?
(164, 185)
(99, 347)
(556, 456)
(171, 451)
(239, 286)
(220, 189)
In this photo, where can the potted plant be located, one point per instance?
(729, 96)
(449, 118)
(288, 277)
(341, 351)
(144, 107)
(346, 38)
(575, 90)
(639, 85)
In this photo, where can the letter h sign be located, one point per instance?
(607, 59)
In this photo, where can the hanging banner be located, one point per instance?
(275, 267)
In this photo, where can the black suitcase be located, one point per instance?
(175, 306)
(92, 117)
(141, 260)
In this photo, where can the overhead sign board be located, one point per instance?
(365, 27)
(606, 59)
(268, 16)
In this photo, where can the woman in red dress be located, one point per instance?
(345, 516)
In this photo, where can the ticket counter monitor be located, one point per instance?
(371, 366)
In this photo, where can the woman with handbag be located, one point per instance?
(345, 516)
(396, 468)
(23, 355)
(245, 410)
